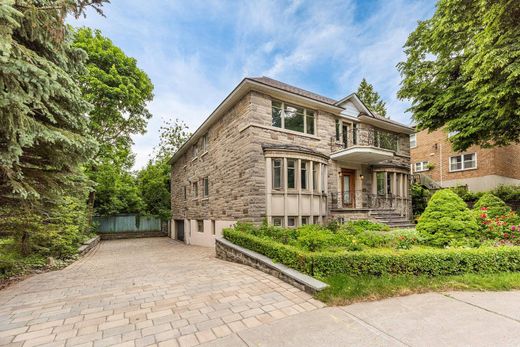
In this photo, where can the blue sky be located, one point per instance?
(195, 52)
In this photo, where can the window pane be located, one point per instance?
(337, 129)
(206, 186)
(291, 221)
(278, 221)
(277, 114)
(315, 176)
(310, 122)
(305, 220)
(200, 226)
(277, 173)
(316, 219)
(381, 183)
(303, 175)
(456, 163)
(469, 161)
(293, 118)
(291, 168)
(413, 140)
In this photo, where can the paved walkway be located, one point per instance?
(159, 292)
(450, 319)
(144, 292)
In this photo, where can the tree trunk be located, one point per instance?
(25, 248)
(91, 199)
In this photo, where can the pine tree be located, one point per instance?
(371, 98)
(43, 133)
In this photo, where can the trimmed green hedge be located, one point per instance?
(428, 261)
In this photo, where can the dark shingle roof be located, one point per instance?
(292, 89)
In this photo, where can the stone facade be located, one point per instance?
(231, 153)
(494, 166)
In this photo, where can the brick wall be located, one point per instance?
(435, 148)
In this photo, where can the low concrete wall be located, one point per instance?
(131, 235)
(88, 245)
(229, 251)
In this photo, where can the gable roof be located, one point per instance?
(292, 89)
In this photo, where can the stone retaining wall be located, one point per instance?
(88, 245)
(226, 250)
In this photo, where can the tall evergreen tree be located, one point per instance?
(463, 72)
(371, 98)
(44, 136)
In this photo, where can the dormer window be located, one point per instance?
(293, 118)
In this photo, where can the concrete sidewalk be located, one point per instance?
(450, 319)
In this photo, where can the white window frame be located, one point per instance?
(424, 166)
(462, 162)
(281, 187)
(414, 140)
(282, 115)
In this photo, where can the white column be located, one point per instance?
(394, 183)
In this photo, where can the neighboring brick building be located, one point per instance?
(278, 153)
(479, 168)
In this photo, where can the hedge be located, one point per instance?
(426, 261)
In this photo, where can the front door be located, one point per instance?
(348, 187)
(179, 226)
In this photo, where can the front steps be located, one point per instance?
(391, 218)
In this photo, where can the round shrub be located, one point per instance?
(447, 220)
(491, 205)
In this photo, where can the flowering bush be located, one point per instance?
(495, 207)
(504, 228)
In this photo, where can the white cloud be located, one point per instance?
(196, 52)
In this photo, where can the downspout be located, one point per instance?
(440, 164)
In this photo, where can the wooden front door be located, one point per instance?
(348, 190)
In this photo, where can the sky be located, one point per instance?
(196, 52)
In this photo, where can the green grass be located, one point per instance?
(346, 289)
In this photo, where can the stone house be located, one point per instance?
(480, 169)
(277, 153)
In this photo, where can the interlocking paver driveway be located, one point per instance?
(144, 292)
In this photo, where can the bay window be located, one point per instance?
(303, 175)
(291, 173)
(277, 173)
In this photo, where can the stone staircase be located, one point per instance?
(391, 218)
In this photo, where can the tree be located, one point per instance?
(119, 92)
(371, 98)
(154, 179)
(44, 137)
(172, 136)
(463, 71)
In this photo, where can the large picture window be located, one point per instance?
(463, 162)
(293, 118)
(381, 183)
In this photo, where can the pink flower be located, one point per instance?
(484, 208)
(513, 227)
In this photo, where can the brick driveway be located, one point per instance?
(144, 292)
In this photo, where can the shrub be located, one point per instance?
(507, 192)
(464, 193)
(420, 197)
(358, 226)
(427, 261)
(446, 220)
(491, 205)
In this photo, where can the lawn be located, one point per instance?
(345, 289)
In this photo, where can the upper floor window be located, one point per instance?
(338, 130)
(184, 192)
(386, 140)
(195, 151)
(421, 166)
(413, 140)
(463, 162)
(205, 186)
(205, 143)
(453, 133)
(293, 118)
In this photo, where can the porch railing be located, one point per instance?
(369, 137)
(363, 199)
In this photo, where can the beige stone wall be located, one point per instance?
(236, 166)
